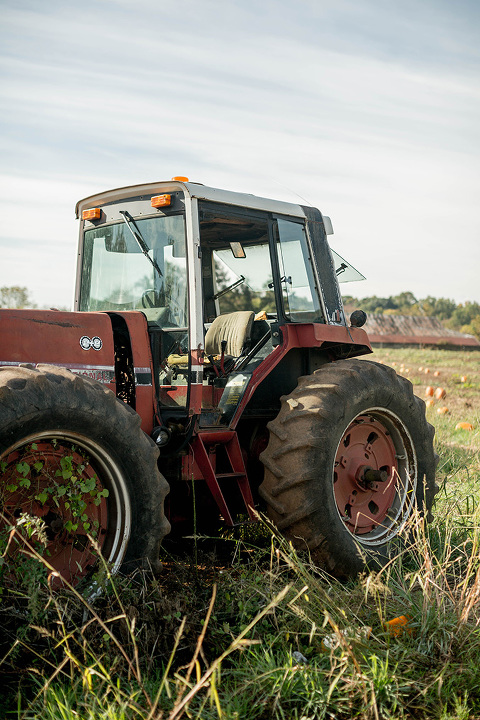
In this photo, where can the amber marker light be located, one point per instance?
(161, 201)
(180, 178)
(92, 214)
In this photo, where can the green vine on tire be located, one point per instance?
(70, 483)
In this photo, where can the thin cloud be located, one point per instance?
(368, 110)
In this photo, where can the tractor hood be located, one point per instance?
(81, 342)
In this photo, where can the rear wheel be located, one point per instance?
(75, 463)
(350, 457)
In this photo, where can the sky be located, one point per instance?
(366, 109)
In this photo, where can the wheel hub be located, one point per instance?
(365, 473)
(369, 478)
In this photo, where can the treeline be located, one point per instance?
(18, 297)
(464, 316)
(15, 297)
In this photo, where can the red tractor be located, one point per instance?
(207, 369)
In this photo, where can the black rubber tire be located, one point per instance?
(300, 458)
(37, 404)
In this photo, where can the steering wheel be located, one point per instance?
(146, 298)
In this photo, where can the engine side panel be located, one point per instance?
(81, 342)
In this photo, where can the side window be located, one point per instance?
(244, 283)
(236, 260)
(300, 298)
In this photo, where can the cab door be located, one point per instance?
(299, 291)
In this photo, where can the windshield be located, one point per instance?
(121, 273)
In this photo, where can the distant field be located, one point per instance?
(459, 376)
(420, 366)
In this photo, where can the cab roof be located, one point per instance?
(193, 190)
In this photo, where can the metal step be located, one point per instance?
(228, 439)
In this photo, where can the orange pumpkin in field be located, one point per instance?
(437, 373)
(440, 393)
(430, 403)
(429, 391)
(464, 426)
(463, 378)
(442, 410)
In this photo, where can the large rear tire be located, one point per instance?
(74, 456)
(350, 457)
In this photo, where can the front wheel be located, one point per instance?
(350, 457)
(75, 464)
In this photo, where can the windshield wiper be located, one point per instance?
(238, 282)
(130, 223)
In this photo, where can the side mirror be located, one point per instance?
(358, 318)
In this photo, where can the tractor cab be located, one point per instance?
(226, 281)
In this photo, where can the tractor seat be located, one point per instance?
(235, 328)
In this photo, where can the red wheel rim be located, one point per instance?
(366, 474)
(51, 480)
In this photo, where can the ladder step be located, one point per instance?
(205, 445)
(245, 522)
(230, 476)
